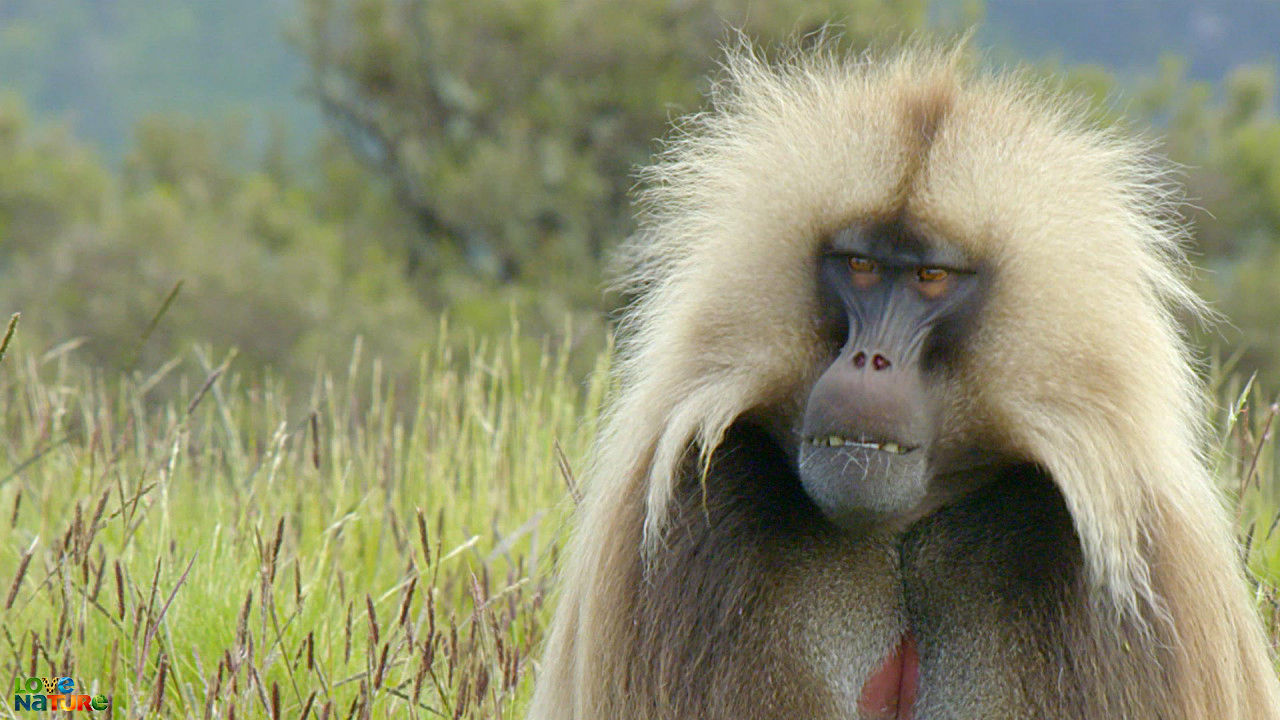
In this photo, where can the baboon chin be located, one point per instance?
(905, 427)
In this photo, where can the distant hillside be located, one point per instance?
(1129, 37)
(102, 64)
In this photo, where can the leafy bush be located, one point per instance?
(88, 255)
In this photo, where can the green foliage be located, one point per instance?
(86, 255)
(48, 183)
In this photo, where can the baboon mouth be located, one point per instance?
(889, 446)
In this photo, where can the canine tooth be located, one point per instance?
(891, 447)
(835, 441)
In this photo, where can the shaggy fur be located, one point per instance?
(1096, 579)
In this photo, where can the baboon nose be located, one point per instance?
(878, 361)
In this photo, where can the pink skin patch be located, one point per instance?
(890, 692)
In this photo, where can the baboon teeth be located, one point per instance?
(839, 441)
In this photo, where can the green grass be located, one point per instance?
(380, 553)
(357, 549)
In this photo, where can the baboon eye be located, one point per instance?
(933, 283)
(864, 272)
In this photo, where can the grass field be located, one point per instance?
(353, 549)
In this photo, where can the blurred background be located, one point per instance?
(280, 177)
(390, 222)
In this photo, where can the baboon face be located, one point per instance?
(897, 305)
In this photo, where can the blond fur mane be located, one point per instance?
(737, 206)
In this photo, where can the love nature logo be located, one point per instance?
(53, 694)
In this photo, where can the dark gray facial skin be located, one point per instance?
(898, 307)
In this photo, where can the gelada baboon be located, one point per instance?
(905, 425)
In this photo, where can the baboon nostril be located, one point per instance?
(879, 362)
(859, 359)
